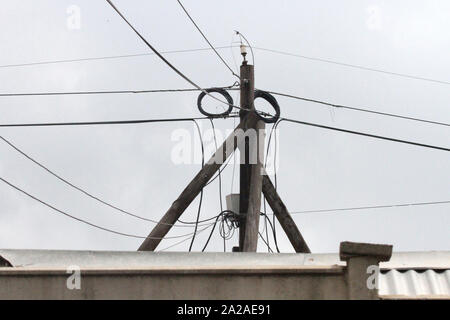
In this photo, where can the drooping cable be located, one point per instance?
(72, 185)
(273, 129)
(62, 93)
(367, 134)
(187, 238)
(114, 122)
(229, 219)
(339, 106)
(206, 39)
(201, 192)
(50, 62)
(162, 57)
(220, 179)
(354, 66)
(412, 204)
(82, 220)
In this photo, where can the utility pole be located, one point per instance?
(250, 173)
(249, 136)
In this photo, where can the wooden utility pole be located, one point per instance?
(250, 165)
(249, 136)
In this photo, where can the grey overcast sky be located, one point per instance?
(131, 166)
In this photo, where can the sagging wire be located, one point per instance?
(206, 39)
(220, 179)
(229, 222)
(188, 238)
(273, 223)
(201, 192)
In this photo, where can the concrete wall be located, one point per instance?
(320, 283)
(202, 282)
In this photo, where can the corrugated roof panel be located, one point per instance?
(413, 283)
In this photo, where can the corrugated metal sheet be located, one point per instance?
(415, 284)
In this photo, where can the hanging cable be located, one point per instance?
(222, 92)
(367, 135)
(273, 102)
(70, 184)
(61, 93)
(206, 39)
(116, 122)
(354, 66)
(161, 57)
(50, 62)
(220, 179)
(201, 192)
(82, 220)
(229, 219)
(273, 129)
(273, 230)
(373, 207)
(188, 238)
(339, 106)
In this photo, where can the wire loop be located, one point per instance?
(222, 92)
(273, 102)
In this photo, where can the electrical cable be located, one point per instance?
(272, 101)
(162, 57)
(273, 230)
(82, 220)
(47, 62)
(231, 219)
(273, 129)
(188, 238)
(222, 92)
(265, 241)
(206, 39)
(354, 66)
(220, 172)
(373, 207)
(210, 234)
(62, 93)
(70, 184)
(116, 122)
(367, 135)
(201, 192)
(220, 178)
(338, 106)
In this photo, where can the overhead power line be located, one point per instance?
(108, 92)
(94, 123)
(373, 207)
(206, 39)
(46, 62)
(353, 66)
(340, 106)
(112, 57)
(90, 195)
(164, 59)
(82, 220)
(124, 122)
(366, 134)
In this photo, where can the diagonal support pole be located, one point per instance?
(194, 187)
(283, 216)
